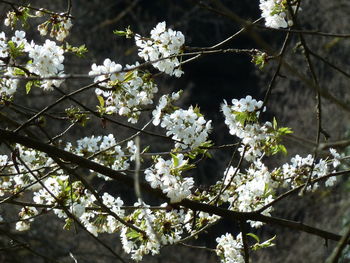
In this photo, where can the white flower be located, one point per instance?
(252, 134)
(78, 209)
(3, 160)
(22, 226)
(106, 152)
(166, 175)
(19, 38)
(158, 111)
(88, 144)
(330, 181)
(230, 249)
(64, 27)
(186, 126)
(26, 216)
(300, 168)
(275, 14)
(249, 191)
(47, 61)
(124, 93)
(162, 45)
(3, 46)
(7, 22)
(107, 142)
(336, 157)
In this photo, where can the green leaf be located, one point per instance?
(175, 159)
(119, 33)
(129, 76)
(133, 234)
(191, 155)
(265, 244)
(208, 154)
(283, 149)
(241, 117)
(101, 100)
(80, 50)
(29, 86)
(274, 123)
(145, 149)
(254, 236)
(19, 72)
(284, 130)
(68, 224)
(11, 45)
(127, 33)
(259, 59)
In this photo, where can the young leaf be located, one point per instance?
(254, 236)
(101, 101)
(29, 86)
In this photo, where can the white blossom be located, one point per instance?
(19, 38)
(22, 226)
(164, 101)
(275, 13)
(47, 61)
(166, 175)
(187, 126)
(230, 249)
(336, 157)
(26, 216)
(124, 93)
(301, 168)
(162, 44)
(252, 134)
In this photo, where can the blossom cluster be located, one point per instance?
(124, 93)
(60, 26)
(275, 13)
(26, 215)
(106, 151)
(162, 47)
(187, 127)
(250, 190)
(255, 188)
(12, 17)
(163, 103)
(161, 227)
(47, 61)
(242, 119)
(44, 61)
(60, 191)
(166, 175)
(300, 169)
(60, 23)
(230, 249)
(21, 176)
(53, 193)
(202, 219)
(8, 86)
(97, 222)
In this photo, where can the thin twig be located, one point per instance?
(343, 242)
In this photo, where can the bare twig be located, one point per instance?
(343, 242)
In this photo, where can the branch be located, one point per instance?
(36, 9)
(12, 137)
(26, 246)
(304, 32)
(334, 257)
